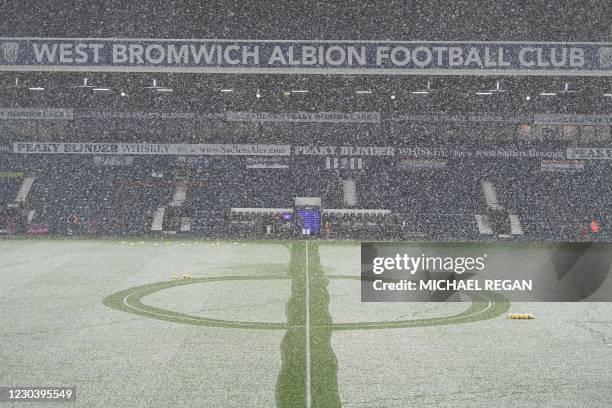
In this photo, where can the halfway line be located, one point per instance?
(308, 388)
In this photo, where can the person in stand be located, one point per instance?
(91, 227)
(595, 227)
(73, 222)
(327, 229)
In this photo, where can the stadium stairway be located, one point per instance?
(484, 226)
(491, 195)
(24, 189)
(350, 192)
(515, 225)
(185, 224)
(180, 194)
(158, 219)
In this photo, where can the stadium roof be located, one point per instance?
(517, 20)
(337, 20)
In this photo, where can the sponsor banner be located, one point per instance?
(128, 149)
(239, 116)
(113, 160)
(459, 153)
(144, 115)
(38, 229)
(151, 149)
(461, 118)
(570, 119)
(422, 164)
(427, 152)
(308, 117)
(5, 149)
(564, 166)
(11, 174)
(35, 114)
(334, 117)
(304, 57)
(595, 153)
(344, 150)
(231, 116)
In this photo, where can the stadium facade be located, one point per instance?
(444, 140)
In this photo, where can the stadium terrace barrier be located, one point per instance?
(261, 210)
(339, 211)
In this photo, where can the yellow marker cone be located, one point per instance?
(521, 316)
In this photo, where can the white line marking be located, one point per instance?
(308, 389)
(337, 325)
(399, 324)
(194, 319)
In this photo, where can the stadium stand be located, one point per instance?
(445, 166)
(72, 195)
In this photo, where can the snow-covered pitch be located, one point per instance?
(222, 323)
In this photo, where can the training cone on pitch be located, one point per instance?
(521, 316)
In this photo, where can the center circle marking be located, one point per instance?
(483, 306)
